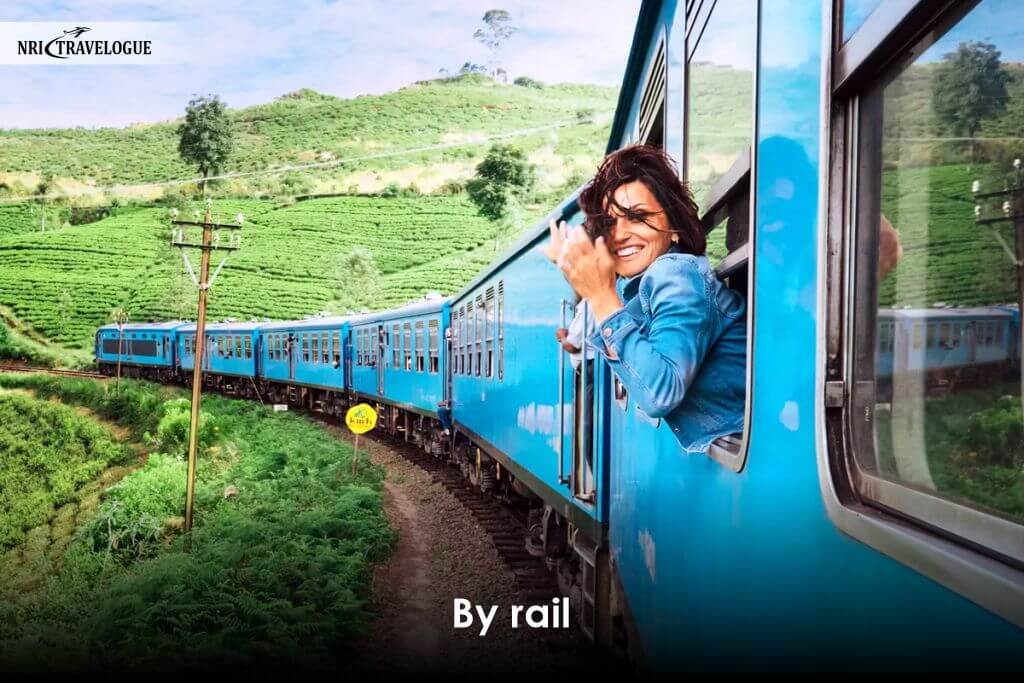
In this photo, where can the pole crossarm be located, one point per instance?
(215, 226)
(205, 247)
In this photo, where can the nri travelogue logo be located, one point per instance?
(70, 44)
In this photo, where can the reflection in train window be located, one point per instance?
(720, 96)
(937, 406)
(855, 13)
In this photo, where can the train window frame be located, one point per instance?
(433, 337)
(489, 324)
(418, 344)
(731, 197)
(960, 547)
(501, 330)
(407, 345)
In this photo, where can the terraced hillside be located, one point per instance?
(64, 283)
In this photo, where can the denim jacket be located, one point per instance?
(679, 347)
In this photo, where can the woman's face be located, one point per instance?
(634, 244)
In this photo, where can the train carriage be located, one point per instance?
(826, 532)
(398, 361)
(143, 349)
(230, 358)
(304, 362)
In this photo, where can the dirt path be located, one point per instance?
(443, 554)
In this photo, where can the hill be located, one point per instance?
(308, 127)
(64, 283)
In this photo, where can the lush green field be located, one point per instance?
(65, 283)
(49, 454)
(306, 127)
(279, 569)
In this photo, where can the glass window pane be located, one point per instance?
(948, 413)
(855, 12)
(721, 95)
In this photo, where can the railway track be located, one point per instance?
(506, 529)
(51, 371)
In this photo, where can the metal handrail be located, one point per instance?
(561, 401)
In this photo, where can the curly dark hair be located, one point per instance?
(655, 169)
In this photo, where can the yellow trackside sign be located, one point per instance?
(361, 418)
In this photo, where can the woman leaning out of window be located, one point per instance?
(672, 333)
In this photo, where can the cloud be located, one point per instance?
(251, 52)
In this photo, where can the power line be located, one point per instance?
(523, 132)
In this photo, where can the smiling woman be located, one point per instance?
(672, 333)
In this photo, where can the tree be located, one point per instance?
(498, 29)
(356, 279)
(206, 137)
(502, 175)
(970, 86)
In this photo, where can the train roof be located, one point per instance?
(939, 312)
(528, 241)
(166, 325)
(327, 321)
(224, 327)
(406, 311)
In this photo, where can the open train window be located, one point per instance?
(927, 224)
(419, 346)
(433, 327)
(719, 136)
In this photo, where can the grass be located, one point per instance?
(49, 454)
(954, 448)
(278, 572)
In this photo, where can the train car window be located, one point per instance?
(489, 323)
(433, 327)
(463, 338)
(456, 341)
(470, 336)
(336, 348)
(478, 333)
(305, 347)
(720, 127)
(418, 344)
(501, 330)
(314, 350)
(325, 348)
(407, 329)
(248, 347)
(936, 435)
(396, 347)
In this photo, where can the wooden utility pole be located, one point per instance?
(1012, 209)
(207, 244)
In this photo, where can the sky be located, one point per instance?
(251, 51)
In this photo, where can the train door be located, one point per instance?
(577, 410)
(291, 355)
(382, 336)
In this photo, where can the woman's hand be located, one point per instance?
(559, 234)
(590, 270)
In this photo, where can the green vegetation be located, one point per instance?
(205, 137)
(503, 177)
(279, 568)
(309, 127)
(973, 447)
(49, 453)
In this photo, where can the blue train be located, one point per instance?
(821, 535)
